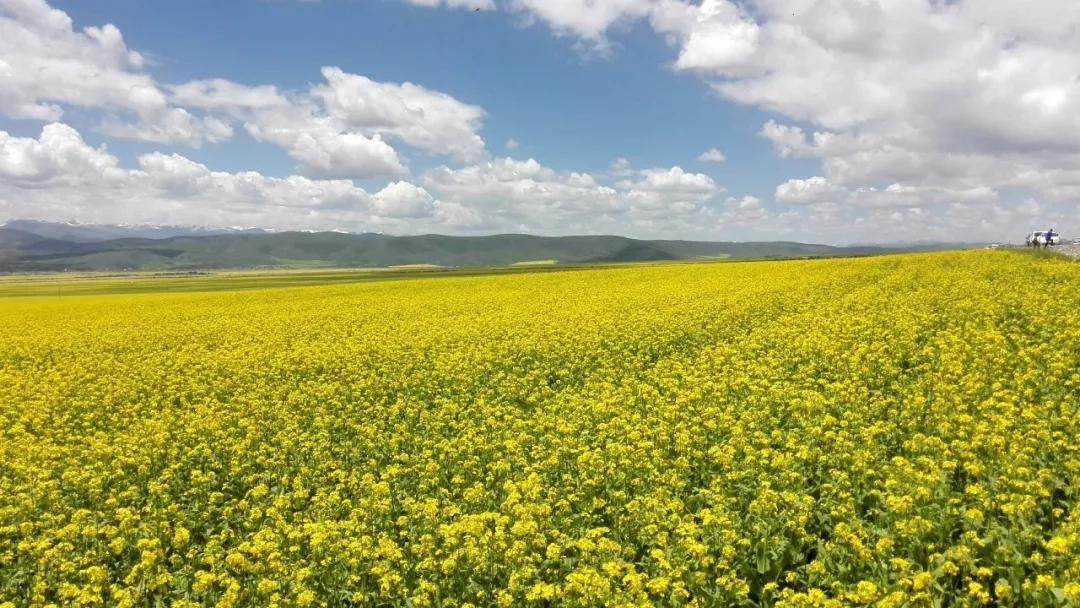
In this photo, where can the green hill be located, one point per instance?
(23, 251)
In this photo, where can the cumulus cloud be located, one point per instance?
(673, 191)
(45, 64)
(423, 118)
(336, 129)
(894, 195)
(1030, 207)
(923, 116)
(175, 175)
(173, 125)
(339, 129)
(673, 180)
(525, 194)
(322, 145)
(228, 96)
(471, 4)
(403, 199)
(712, 155)
(588, 19)
(745, 209)
(787, 141)
(811, 190)
(59, 155)
(721, 38)
(59, 176)
(621, 167)
(827, 201)
(954, 100)
(88, 184)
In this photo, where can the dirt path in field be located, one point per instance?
(1072, 251)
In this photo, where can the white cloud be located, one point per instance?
(403, 199)
(673, 180)
(323, 146)
(787, 141)
(953, 99)
(744, 210)
(511, 194)
(621, 167)
(172, 125)
(455, 217)
(225, 95)
(588, 19)
(174, 175)
(325, 153)
(979, 195)
(721, 39)
(1030, 207)
(712, 155)
(667, 192)
(469, 4)
(924, 117)
(822, 195)
(59, 176)
(59, 155)
(339, 129)
(425, 119)
(811, 190)
(45, 65)
(893, 195)
(512, 144)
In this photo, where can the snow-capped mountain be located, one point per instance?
(89, 233)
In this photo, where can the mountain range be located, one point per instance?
(36, 246)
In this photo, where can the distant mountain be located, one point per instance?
(41, 246)
(924, 245)
(73, 231)
(11, 238)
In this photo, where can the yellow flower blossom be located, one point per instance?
(809, 433)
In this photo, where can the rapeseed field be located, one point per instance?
(892, 431)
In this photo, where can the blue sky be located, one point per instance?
(568, 110)
(831, 129)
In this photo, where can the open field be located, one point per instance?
(65, 284)
(889, 431)
(536, 263)
(61, 285)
